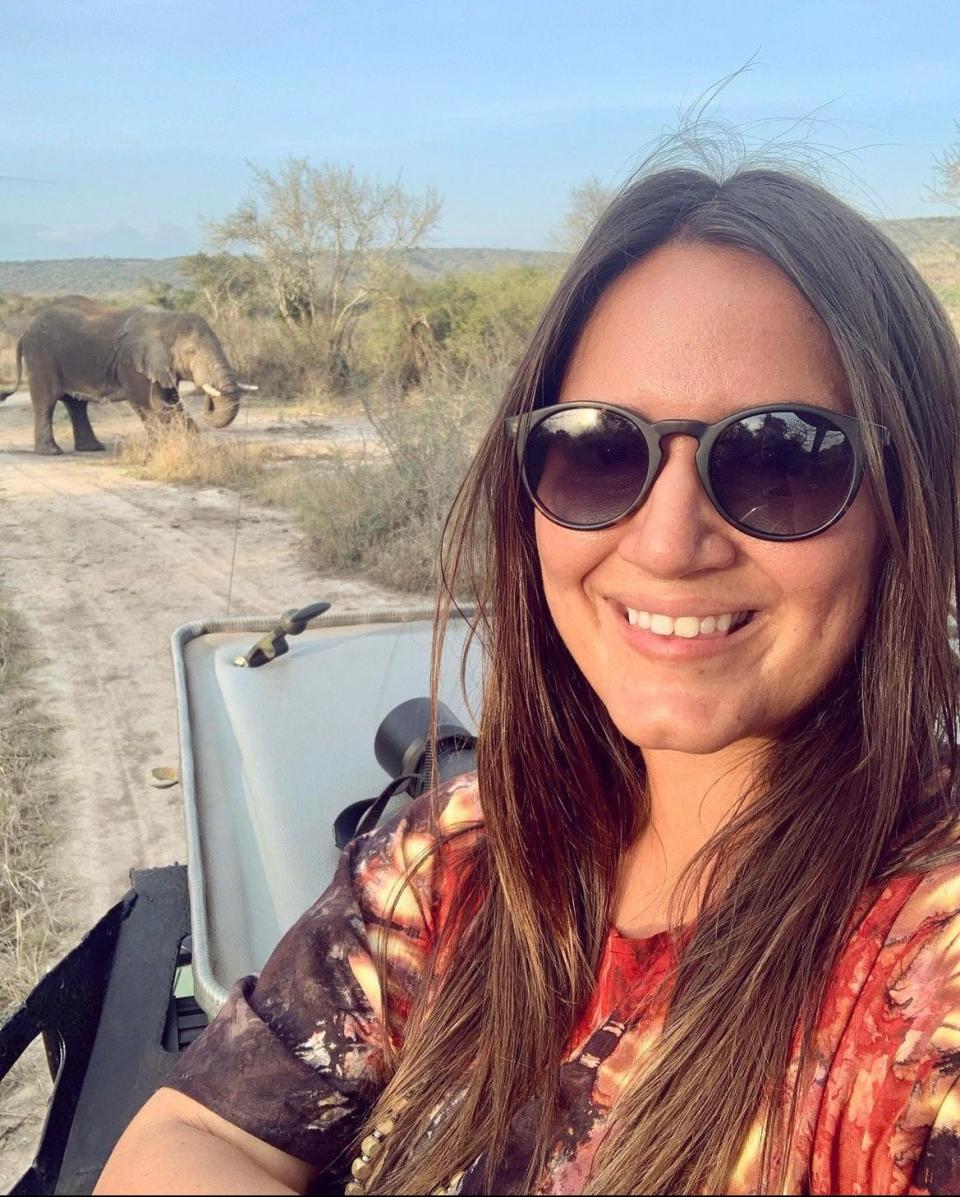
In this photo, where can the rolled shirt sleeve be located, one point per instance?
(296, 1056)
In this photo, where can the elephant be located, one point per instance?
(78, 349)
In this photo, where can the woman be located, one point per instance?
(704, 937)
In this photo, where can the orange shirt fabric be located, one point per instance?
(296, 1056)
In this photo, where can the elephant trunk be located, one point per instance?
(222, 412)
(213, 374)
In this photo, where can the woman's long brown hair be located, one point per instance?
(862, 787)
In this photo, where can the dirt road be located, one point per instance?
(103, 567)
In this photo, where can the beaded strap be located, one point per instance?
(372, 1146)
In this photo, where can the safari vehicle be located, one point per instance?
(287, 728)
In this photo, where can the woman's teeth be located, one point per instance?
(688, 626)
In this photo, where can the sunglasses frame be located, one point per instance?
(519, 427)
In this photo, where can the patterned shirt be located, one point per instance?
(295, 1057)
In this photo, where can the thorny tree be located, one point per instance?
(587, 204)
(229, 284)
(948, 171)
(323, 234)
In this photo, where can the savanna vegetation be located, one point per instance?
(316, 285)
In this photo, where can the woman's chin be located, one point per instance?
(681, 731)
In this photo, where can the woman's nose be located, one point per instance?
(677, 530)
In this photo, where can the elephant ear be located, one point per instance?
(142, 348)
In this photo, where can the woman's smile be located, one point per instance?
(688, 627)
(662, 637)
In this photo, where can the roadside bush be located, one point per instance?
(381, 512)
(357, 515)
(162, 294)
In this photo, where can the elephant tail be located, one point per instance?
(7, 394)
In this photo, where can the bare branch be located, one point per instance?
(587, 204)
(947, 171)
(321, 234)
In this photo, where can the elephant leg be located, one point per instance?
(84, 438)
(137, 390)
(43, 396)
(148, 418)
(172, 415)
(158, 407)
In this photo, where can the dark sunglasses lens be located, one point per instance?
(782, 473)
(586, 466)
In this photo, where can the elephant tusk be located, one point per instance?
(245, 386)
(212, 391)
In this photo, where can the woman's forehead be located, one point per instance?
(697, 331)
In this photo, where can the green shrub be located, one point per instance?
(488, 318)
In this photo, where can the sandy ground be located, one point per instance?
(103, 567)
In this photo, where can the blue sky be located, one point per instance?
(124, 125)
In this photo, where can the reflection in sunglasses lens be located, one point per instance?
(782, 472)
(586, 466)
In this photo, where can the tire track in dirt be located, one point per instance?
(102, 568)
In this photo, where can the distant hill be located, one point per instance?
(87, 276)
(121, 276)
(432, 263)
(918, 237)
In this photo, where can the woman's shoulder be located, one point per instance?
(413, 861)
(449, 812)
(926, 905)
(921, 950)
(911, 917)
(457, 804)
(898, 977)
(897, 982)
(888, 1043)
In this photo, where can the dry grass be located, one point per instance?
(177, 455)
(30, 932)
(940, 266)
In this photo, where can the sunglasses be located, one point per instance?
(777, 472)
